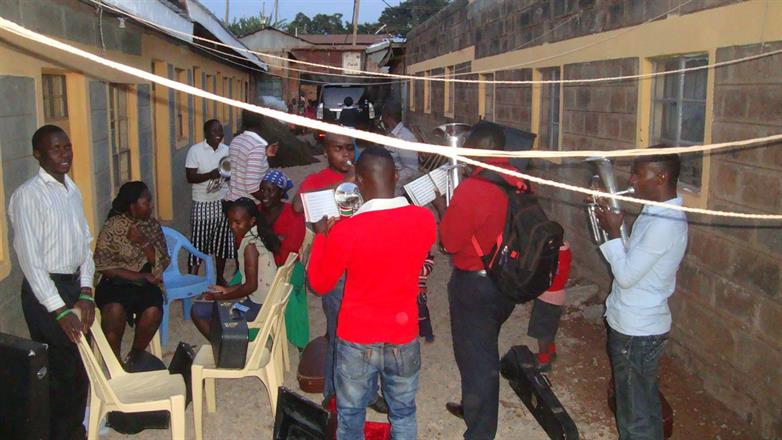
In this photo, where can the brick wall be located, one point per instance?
(729, 284)
(500, 26)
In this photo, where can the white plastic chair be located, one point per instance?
(129, 392)
(264, 358)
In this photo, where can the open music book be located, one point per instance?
(421, 190)
(319, 203)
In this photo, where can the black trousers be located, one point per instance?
(68, 382)
(478, 311)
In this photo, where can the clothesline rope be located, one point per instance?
(458, 153)
(355, 73)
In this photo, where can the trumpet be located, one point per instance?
(348, 198)
(603, 178)
(224, 168)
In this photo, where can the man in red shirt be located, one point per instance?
(382, 247)
(478, 309)
(339, 151)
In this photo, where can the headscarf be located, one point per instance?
(280, 180)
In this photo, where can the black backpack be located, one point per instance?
(523, 261)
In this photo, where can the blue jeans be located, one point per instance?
(357, 369)
(634, 360)
(332, 302)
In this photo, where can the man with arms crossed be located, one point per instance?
(382, 248)
(52, 242)
(644, 277)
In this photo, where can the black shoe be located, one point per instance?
(455, 409)
(380, 405)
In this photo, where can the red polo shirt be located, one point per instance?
(320, 180)
(382, 247)
(478, 208)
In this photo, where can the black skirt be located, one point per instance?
(134, 297)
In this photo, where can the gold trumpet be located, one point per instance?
(603, 179)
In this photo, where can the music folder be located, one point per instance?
(319, 203)
(421, 190)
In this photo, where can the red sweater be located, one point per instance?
(382, 251)
(477, 208)
(289, 226)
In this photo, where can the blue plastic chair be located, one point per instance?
(182, 286)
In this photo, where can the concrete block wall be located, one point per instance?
(146, 147)
(727, 310)
(499, 26)
(17, 123)
(513, 102)
(730, 282)
(600, 115)
(101, 150)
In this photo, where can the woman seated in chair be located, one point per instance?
(255, 261)
(285, 222)
(130, 255)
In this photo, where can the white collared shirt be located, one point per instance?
(204, 159)
(406, 161)
(381, 204)
(51, 235)
(645, 272)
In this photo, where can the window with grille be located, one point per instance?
(487, 96)
(551, 107)
(55, 99)
(118, 131)
(449, 91)
(180, 107)
(679, 110)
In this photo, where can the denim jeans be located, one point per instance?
(331, 302)
(634, 360)
(478, 311)
(358, 368)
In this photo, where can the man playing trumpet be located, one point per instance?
(644, 277)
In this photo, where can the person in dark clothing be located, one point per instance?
(478, 309)
(349, 116)
(55, 255)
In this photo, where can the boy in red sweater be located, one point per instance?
(382, 247)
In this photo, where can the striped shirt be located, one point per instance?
(51, 235)
(248, 165)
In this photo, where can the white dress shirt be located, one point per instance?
(51, 235)
(645, 272)
(406, 161)
(204, 159)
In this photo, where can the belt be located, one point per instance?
(65, 276)
(480, 273)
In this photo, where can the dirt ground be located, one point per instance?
(579, 378)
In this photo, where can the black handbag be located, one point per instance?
(181, 364)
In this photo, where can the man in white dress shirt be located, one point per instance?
(209, 231)
(644, 277)
(53, 245)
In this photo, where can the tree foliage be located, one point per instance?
(248, 25)
(398, 20)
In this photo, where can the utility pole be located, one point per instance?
(226, 12)
(276, 11)
(355, 20)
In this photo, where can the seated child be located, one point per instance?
(256, 265)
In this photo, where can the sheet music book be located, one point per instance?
(421, 190)
(319, 203)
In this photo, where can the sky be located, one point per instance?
(369, 10)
